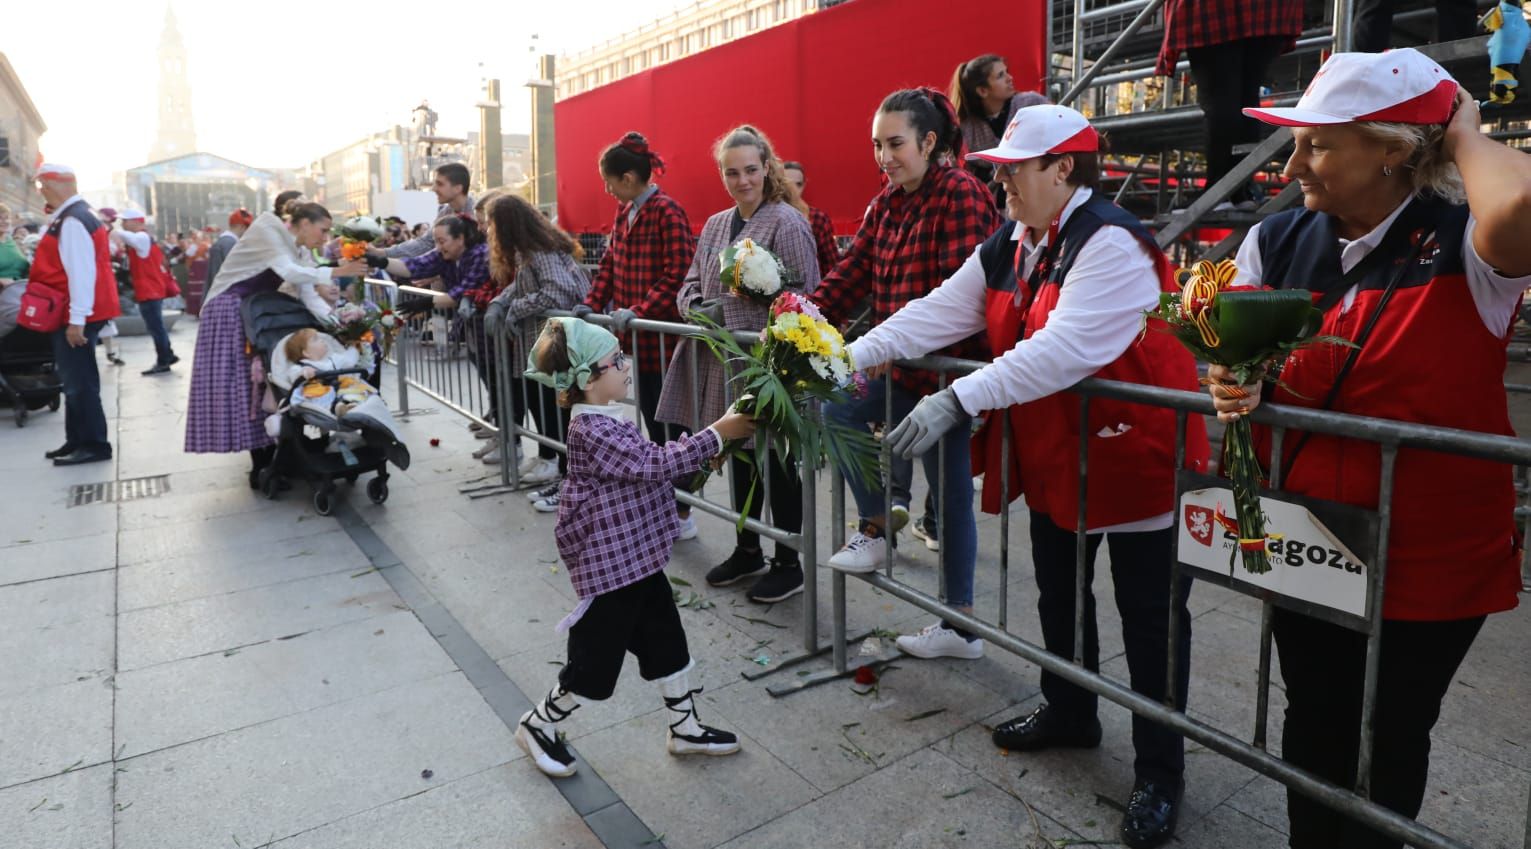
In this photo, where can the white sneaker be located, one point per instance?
(492, 458)
(547, 505)
(486, 449)
(687, 528)
(940, 641)
(861, 554)
(546, 492)
(540, 471)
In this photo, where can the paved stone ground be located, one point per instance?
(211, 669)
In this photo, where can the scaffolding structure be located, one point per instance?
(1102, 55)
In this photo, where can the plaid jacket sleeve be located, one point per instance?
(824, 240)
(967, 220)
(601, 286)
(428, 264)
(794, 246)
(843, 288)
(625, 455)
(553, 281)
(472, 272)
(676, 247)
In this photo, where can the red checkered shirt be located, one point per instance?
(824, 239)
(643, 267)
(907, 245)
(1202, 23)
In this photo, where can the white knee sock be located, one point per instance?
(677, 693)
(556, 706)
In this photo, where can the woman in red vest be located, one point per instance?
(1061, 290)
(1401, 266)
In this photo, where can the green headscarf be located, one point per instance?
(587, 343)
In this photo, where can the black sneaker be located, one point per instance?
(173, 360)
(739, 565)
(159, 368)
(782, 582)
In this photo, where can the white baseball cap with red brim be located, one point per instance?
(1040, 130)
(131, 214)
(54, 171)
(1400, 86)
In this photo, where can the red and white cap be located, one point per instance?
(1401, 86)
(54, 171)
(1040, 130)
(131, 214)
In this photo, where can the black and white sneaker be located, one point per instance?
(739, 565)
(925, 529)
(544, 492)
(711, 741)
(548, 752)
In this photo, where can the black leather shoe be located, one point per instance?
(1044, 728)
(81, 457)
(60, 451)
(173, 360)
(159, 368)
(1152, 811)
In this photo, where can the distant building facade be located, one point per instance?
(20, 128)
(198, 190)
(681, 33)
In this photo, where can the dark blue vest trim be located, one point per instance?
(1299, 249)
(997, 253)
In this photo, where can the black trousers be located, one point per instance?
(786, 503)
(1228, 78)
(649, 386)
(1140, 571)
(527, 396)
(481, 349)
(1324, 668)
(640, 618)
(1373, 26)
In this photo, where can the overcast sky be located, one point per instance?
(279, 83)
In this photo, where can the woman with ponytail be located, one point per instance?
(984, 95)
(918, 231)
(755, 181)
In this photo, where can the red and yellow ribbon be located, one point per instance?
(1206, 280)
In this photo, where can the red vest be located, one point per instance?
(48, 266)
(151, 282)
(1130, 475)
(1452, 546)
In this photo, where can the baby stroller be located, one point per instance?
(27, 377)
(365, 444)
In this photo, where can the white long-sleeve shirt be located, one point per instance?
(1495, 295)
(141, 242)
(1099, 314)
(77, 253)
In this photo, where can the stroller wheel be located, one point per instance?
(53, 404)
(377, 490)
(21, 415)
(324, 502)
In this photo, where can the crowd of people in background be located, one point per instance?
(989, 239)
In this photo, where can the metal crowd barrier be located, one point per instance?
(1389, 435)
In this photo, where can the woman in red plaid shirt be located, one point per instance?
(918, 231)
(645, 261)
(823, 228)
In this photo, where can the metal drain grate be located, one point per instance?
(134, 488)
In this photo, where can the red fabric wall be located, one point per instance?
(811, 85)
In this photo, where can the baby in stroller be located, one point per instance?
(310, 352)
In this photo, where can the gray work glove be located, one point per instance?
(711, 309)
(581, 310)
(494, 318)
(927, 422)
(621, 319)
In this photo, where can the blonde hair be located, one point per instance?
(1429, 170)
(744, 135)
(5, 212)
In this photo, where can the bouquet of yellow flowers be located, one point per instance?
(1251, 330)
(802, 359)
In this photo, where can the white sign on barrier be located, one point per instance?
(1308, 562)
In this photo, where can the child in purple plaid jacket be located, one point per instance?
(616, 527)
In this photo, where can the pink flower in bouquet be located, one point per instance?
(791, 302)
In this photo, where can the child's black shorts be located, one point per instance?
(640, 618)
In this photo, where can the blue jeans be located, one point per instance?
(84, 420)
(153, 314)
(958, 533)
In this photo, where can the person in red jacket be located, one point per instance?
(73, 259)
(1061, 291)
(152, 284)
(1385, 144)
